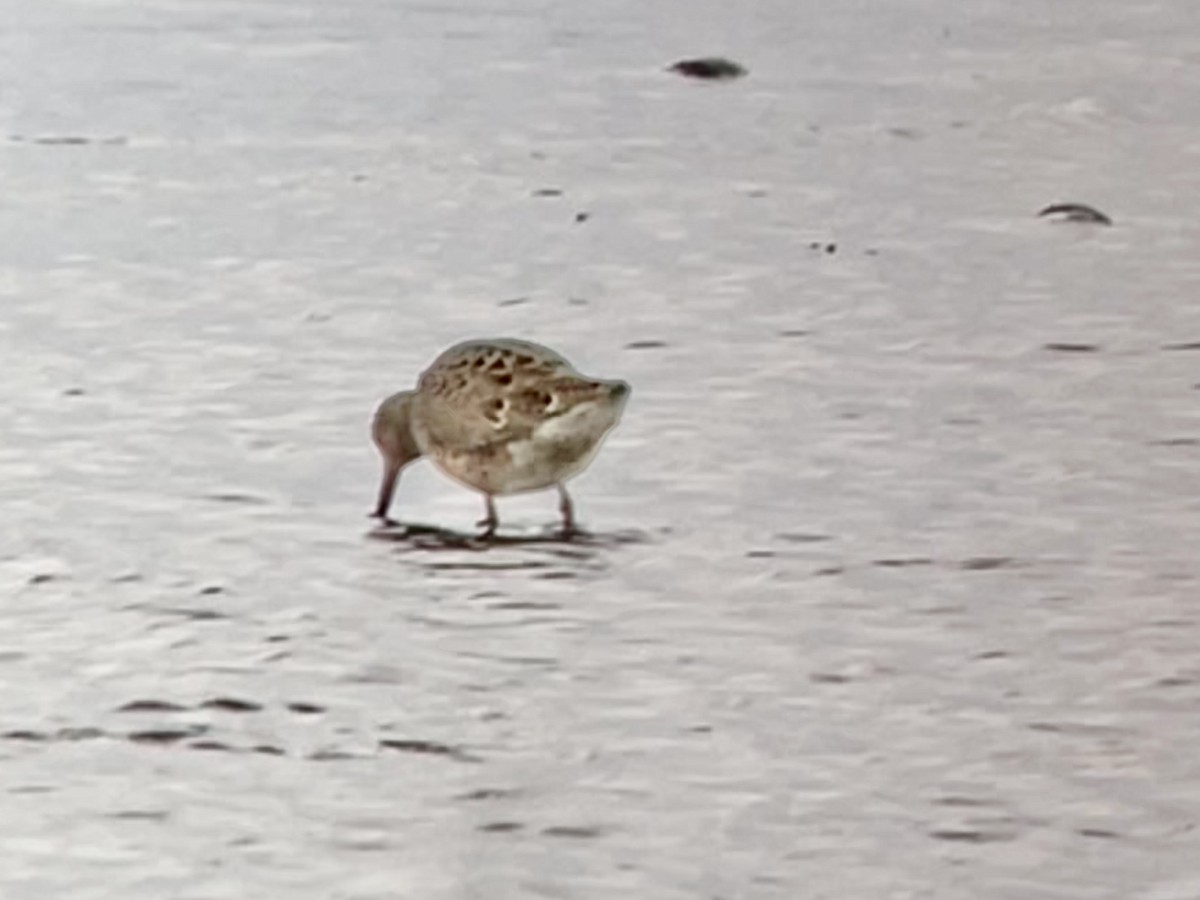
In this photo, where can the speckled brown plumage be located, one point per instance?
(500, 416)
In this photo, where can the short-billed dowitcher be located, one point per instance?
(501, 416)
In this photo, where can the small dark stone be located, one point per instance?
(210, 745)
(992, 654)
(828, 678)
(969, 836)
(1076, 212)
(959, 800)
(582, 216)
(501, 826)
(485, 794)
(1185, 345)
(713, 68)
(645, 345)
(199, 615)
(25, 735)
(1174, 681)
(234, 497)
(140, 706)
(147, 815)
(231, 704)
(1068, 347)
(267, 749)
(163, 735)
(548, 192)
(305, 709)
(983, 563)
(803, 537)
(330, 755)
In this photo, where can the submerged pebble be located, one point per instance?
(712, 68)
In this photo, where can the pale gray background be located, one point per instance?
(889, 600)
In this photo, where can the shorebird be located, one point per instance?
(500, 416)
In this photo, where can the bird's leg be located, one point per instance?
(568, 512)
(491, 520)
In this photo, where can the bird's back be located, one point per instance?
(483, 392)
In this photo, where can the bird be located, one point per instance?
(500, 416)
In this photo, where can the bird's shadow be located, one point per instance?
(419, 536)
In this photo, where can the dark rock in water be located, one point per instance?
(1068, 347)
(231, 704)
(715, 68)
(501, 826)
(211, 745)
(147, 815)
(1076, 212)
(164, 735)
(984, 563)
(305, 709)
(902, 562)
(24, 734)
(971, 835)
(151, 706)
(487, 794)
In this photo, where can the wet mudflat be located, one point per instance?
(891, 575)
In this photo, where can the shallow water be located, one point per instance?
(890, 589)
